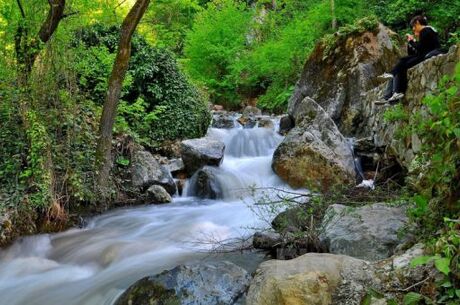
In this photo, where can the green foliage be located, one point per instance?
(238, 52)
(214, 46)
(436, 167)
(158, 103)
(170, 22)
(446, 258)
(443, 14)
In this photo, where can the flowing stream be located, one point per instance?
(94, 265)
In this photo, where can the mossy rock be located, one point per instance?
(146, 292)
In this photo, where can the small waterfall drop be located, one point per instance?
(94, 265)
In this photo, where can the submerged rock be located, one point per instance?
(368, 232)
(217, 283)
(197, 153)
(147, 171)
(314, 154)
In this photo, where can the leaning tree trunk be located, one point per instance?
(103, 153)
(27, 48)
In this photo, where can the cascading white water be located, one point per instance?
(94, 265)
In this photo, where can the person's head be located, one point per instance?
(418, 23)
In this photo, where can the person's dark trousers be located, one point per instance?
(393, 83)
(400, 72)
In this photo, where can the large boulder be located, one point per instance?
(314, 153)
(313, 279)
(369, 232)
(197, 153)
(338, 73)
(217, 283)
(147, 171)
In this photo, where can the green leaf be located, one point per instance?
(122, 161)
(412, 298)
(420, 260)
(442, 264)
(392, 302)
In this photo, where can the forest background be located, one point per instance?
(185, 55)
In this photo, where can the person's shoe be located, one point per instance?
(396, 96)
(386, 76)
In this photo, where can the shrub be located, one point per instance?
(158, 102)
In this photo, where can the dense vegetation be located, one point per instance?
(185, 54)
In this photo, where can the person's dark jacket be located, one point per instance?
(428, 41)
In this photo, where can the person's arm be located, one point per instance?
(412, 47)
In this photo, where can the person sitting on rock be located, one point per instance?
(424, 45)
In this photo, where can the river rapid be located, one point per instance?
(95, 264)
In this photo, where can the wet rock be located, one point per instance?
(314, 154)
(309, 279)
(286, 124)
(217, 107)
(219, 283)
(251, 111)
(267, 240)
(175, 165)
(223, 120)
(368, 232)
(147, 171)
(197, 153)
(265, 123)
(157, 194)
(247, 122)
(205, 184)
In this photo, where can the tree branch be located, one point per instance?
(21, 9)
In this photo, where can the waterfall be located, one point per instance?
(94, 265)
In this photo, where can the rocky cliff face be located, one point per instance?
(342, 79)
(336, 76)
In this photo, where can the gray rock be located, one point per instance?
(157, 194)
(247, 122)
(369, 232)
(251, 111)
(336, 80)
(147, 171)
(204, 184)
(217, 283)
(266, 240)
(197, 153)
(291, 220)
(175, 165)
(286, 124)
(314, 154)
(265, 123)
(222, 120)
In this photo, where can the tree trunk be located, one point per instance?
(103, 153)
(27, 49)
(334, 19)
